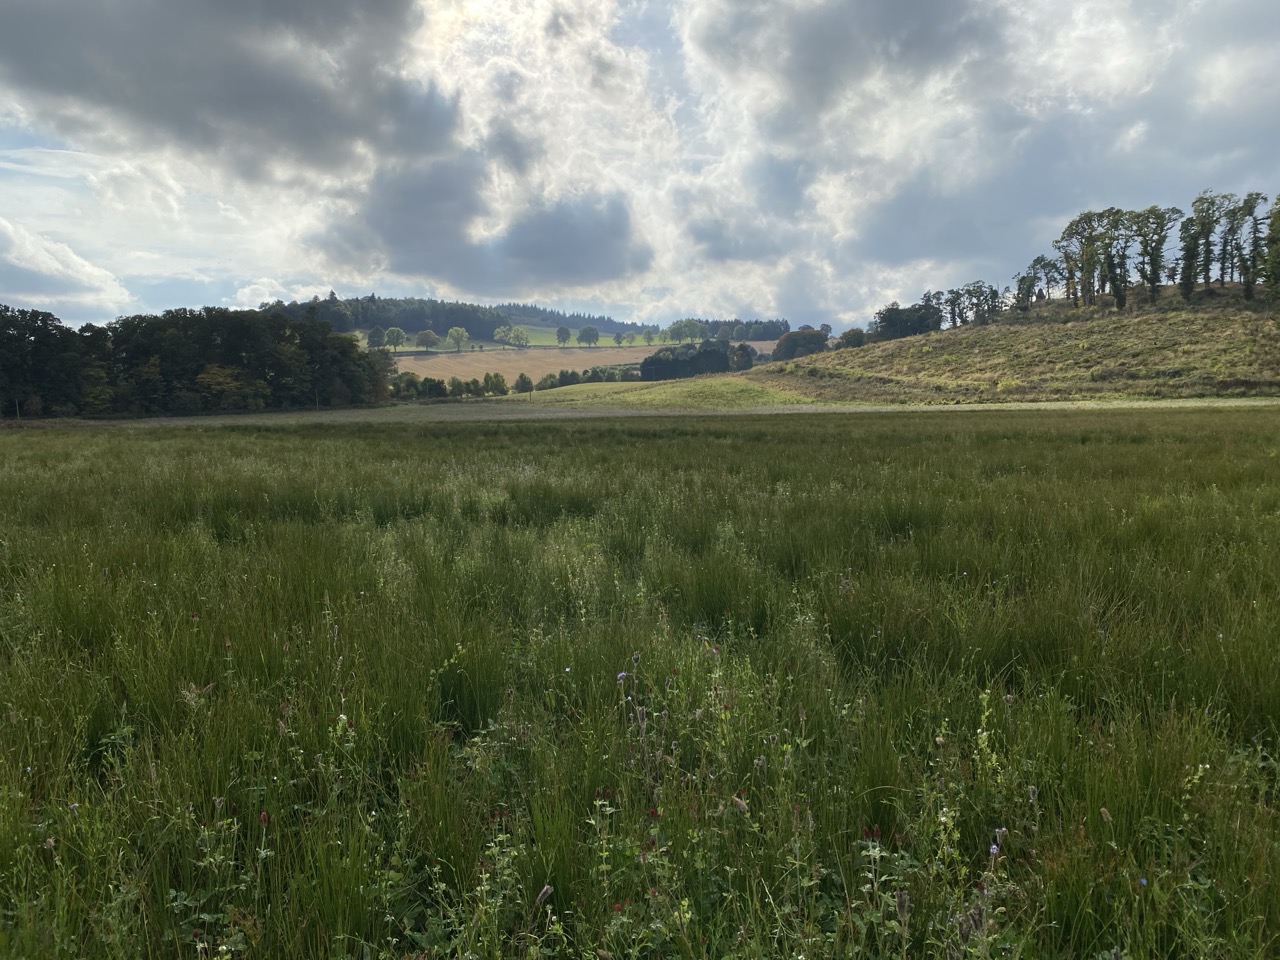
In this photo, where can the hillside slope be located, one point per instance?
(1170, 353)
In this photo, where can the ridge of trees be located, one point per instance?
(181, 362)
(1113, 256)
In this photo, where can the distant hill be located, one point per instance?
(1178, 350)
(414, 314)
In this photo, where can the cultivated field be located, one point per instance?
(535, 362)
(980, 684)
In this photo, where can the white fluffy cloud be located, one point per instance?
(652, 158)
(37, 270)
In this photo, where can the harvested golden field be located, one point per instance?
(535, 362)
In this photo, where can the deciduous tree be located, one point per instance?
(457, 337)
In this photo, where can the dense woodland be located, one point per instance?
(181, 362)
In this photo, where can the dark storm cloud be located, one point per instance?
(579, 241)
(818, 50)
(416, 220)
(724, 240)
(508, 145)
(308, 83)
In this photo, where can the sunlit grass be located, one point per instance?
(699, 393)
(752, 686)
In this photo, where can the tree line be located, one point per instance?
(1114, 254)
(415, 315)
(181, 362)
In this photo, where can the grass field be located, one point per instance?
(1219, 350)
(710, 393)
(999, 683)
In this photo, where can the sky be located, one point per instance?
(646, 159)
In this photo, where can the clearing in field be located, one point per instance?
(912, 685)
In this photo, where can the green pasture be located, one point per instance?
(922, 684)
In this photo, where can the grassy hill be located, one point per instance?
(1216, 349)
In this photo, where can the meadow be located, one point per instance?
(916, 684)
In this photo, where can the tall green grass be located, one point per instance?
(981, 684)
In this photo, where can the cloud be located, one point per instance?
(37, 271)
(417, 222)
(659, 157)
(273, 91)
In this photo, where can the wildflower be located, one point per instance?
(622, 675)
(653, 813)
(263, 817)
(542, 895)
(1106, 814)
(635, 658)
(902, 900)
(995, 850)
(617, 907)
(740, 804)
(1142, 881)
(1001, 834)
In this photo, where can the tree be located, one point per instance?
(895, 321)
(648, 337)
(1079, 246)
(1152, 227)
(742, 357)
(377, 337)
(519, 338)
(428, 339)
(1026, 285)
(495, 385)
(1117, 241)
(503, 335)
(1271, 270)
(853, 337)
(562, 335)
(630, 337)
(524, 384)
(589, 335)
(1207, 211)
(800, 343)
(457, 337)
(395, 338)
(1250, 246)
(1189, 235)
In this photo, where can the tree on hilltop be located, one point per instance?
(562, 335)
